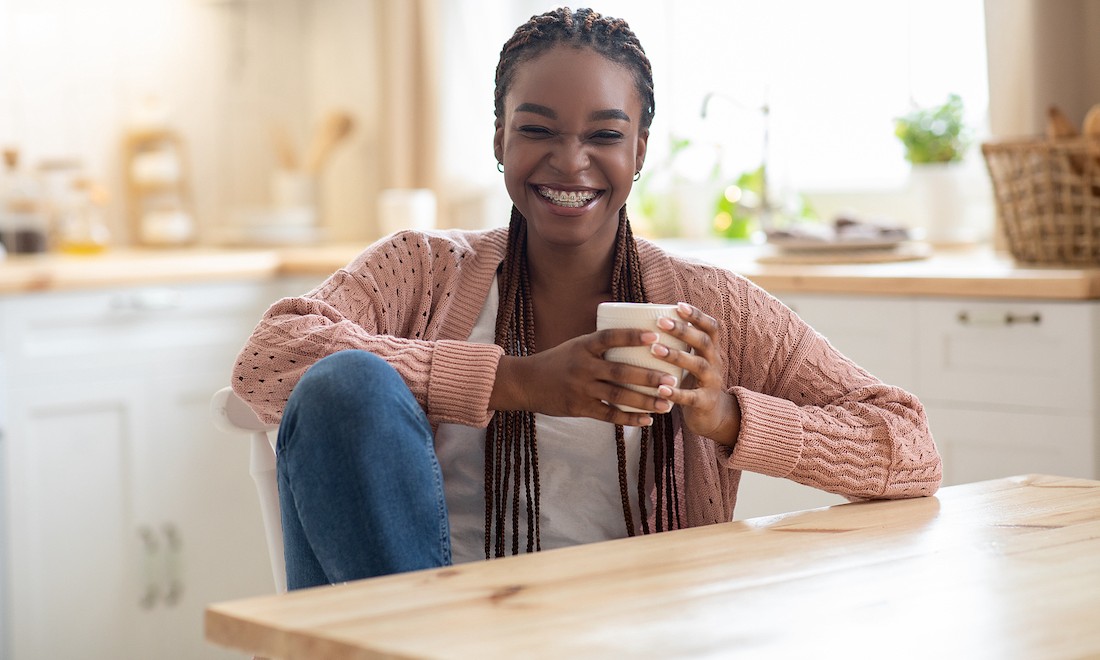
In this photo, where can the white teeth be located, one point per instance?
(571, 199)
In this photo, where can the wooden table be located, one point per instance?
(999, 569)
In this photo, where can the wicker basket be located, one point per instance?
(1048, 198)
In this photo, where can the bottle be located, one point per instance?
(81, 227)
(23, 223)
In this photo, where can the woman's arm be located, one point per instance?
(381, 305)
(810, 414)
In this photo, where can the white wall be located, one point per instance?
(1041, 52)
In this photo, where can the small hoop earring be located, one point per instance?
(500, 167)
(637, 175)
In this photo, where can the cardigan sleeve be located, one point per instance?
(385, 303)
(812, 415)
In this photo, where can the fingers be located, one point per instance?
(696, 317)
(634, 415)
(635, 387)
(603, 340)
(699, 331)
(695, 328)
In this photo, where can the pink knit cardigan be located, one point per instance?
(808, 413)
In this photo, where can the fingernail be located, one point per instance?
(658, 350)
(647, 421)
(665, 323)
(665, 391)
(684, 307)
(650, 337)
(669, 380)
(664, 406)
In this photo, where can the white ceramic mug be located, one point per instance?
(642, 316)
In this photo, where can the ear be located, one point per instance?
(498, 141)
(639, 157)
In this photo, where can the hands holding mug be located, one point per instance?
(622, 374)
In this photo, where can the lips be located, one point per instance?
(572, 199)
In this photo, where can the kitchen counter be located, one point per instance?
(967, 272)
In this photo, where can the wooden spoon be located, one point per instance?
(335, 127)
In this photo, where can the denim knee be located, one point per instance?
(351, 391)
(349, 379)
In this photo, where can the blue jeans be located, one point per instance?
(359, 484)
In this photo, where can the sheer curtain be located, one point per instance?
(408, 130)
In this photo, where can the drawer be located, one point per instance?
(70, 330)
(1023, 354)
(878, 334)
(978, 445)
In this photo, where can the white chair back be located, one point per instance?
(232, 414)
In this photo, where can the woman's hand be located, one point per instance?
(707, 408)
(573, 380)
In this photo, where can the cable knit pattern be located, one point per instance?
(808, 413)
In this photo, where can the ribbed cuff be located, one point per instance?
(462, 376)
(770, 439)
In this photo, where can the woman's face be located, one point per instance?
(571, 140)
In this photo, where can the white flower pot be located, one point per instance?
(943, 196)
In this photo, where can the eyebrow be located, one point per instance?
(599, 115)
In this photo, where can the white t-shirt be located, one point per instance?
(578, 476)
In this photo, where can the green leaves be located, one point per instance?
(936, 134)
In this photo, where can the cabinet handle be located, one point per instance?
(998, 318)
(173, 565)
(150, 568)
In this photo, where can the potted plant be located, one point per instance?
(936, 139)
(936, 134)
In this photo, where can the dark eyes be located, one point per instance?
(602, 136)
(607, 136)
(535, 131)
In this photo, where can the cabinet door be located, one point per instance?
(127, 511)
(200, 507)
(77, 580)
(977, 445)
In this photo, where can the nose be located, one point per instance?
(570, 155)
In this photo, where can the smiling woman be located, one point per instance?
(448, 396)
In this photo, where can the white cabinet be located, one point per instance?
(1010, 386)
(125, 511)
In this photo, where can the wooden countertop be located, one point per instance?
(970, 272)
(999, 569)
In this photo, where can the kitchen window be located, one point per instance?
(833, 74)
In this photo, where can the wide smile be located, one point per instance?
(569, 199)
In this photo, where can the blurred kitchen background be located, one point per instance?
(272, 121)
(317, 126)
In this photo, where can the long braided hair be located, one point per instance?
(511, 440)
